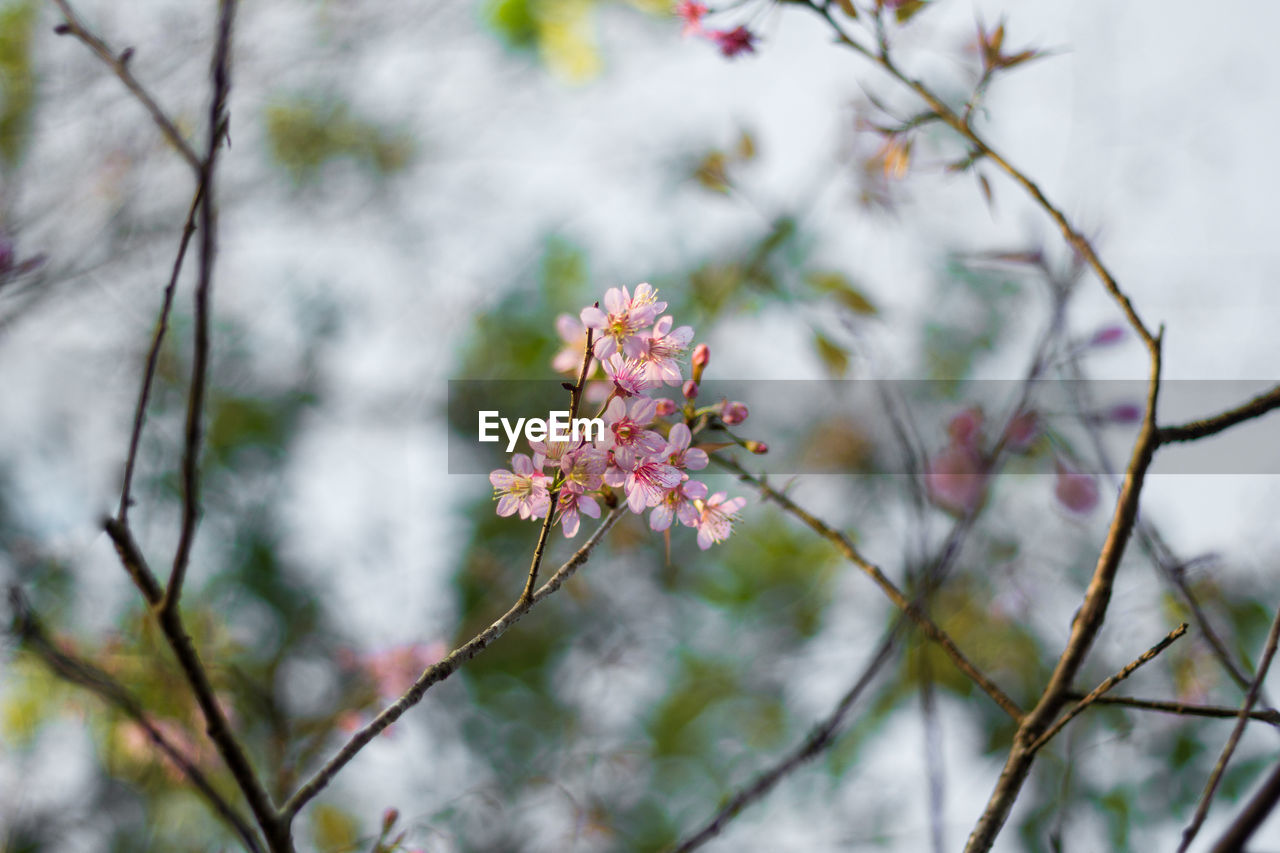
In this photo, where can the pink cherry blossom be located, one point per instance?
(1108, 335)
(583, 468)
(665, 407)
(571, 505)
(647, 479)
(623, 320)
(955, 479)
(716, 517)
(1076, 491)
(691, 13)
(965, 428)
(734, 42)
(679, 454)
(629, 376)
(662, 347)
(625, 425)
(678, 503)
(574, 335)
(523, 489)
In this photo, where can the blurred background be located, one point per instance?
(412, 194)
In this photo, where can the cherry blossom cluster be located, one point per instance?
(731, 42)
(647, 451)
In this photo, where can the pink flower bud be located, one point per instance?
(757, 447)
(690, 390)
(701, 355)
(665, 407)
(6, 254)
(1023, 430)
(956, 480)
(1107, 335)
(734, 413)
(389, 818)
(1124, 413)
(1077, 492)
(964, 427)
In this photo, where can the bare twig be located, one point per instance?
(1251, 816)
(438, 672)
(200, 360)
(1184, 709)
(92, 678)
(1255, 408)
(153, 356)
(1097, 692)
(1206, 799)
(907, 606)
(216, 724)
(118, 62)
(818, 739)
(575, 400)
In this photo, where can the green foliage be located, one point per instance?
(17, 78)
(307, 132)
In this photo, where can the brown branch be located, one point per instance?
(200, 361)
(31, 633)
(1256, 407)
(119, 64)
(216, 724)
(438, 672)
(895, 595)
(553, 498)
(1185, 709)
(153, 356)
(1098, 692)
(819, 738)
(1251, 816)
(1206, 799)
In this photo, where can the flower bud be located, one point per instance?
(734, 413)
(1107, 335)
(1076, 491)
(757, 447)
(1124, 413)
(690, 390)
(389, 818)
(6, 254)
(1022, 431)
(701, 358)
(665, 407)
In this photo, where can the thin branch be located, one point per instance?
(908, 607)
(119, 64)
(1206, 799)
(200, 360)
(553, 498)
(819, 738)
(1184, 709)
(1097, 692)
(153, 356)
(92, 678)
(1255, 408)
(1251, 816)
(438, 672)
(216, 724)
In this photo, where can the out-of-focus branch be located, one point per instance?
(1098, 692)
(1184, 709)
(438, 672)
(119, 64)
(200, 359)
(553, 497)
(890, 589)
(1206, 799)
(1251, 816)
(819, 738)
(153, 357)
(27, 627)
(1255, 408)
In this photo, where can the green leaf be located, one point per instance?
(307, 132)
(333, 829)
(17, 79)
(907, 10)
(834, 357)
(838, 286)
